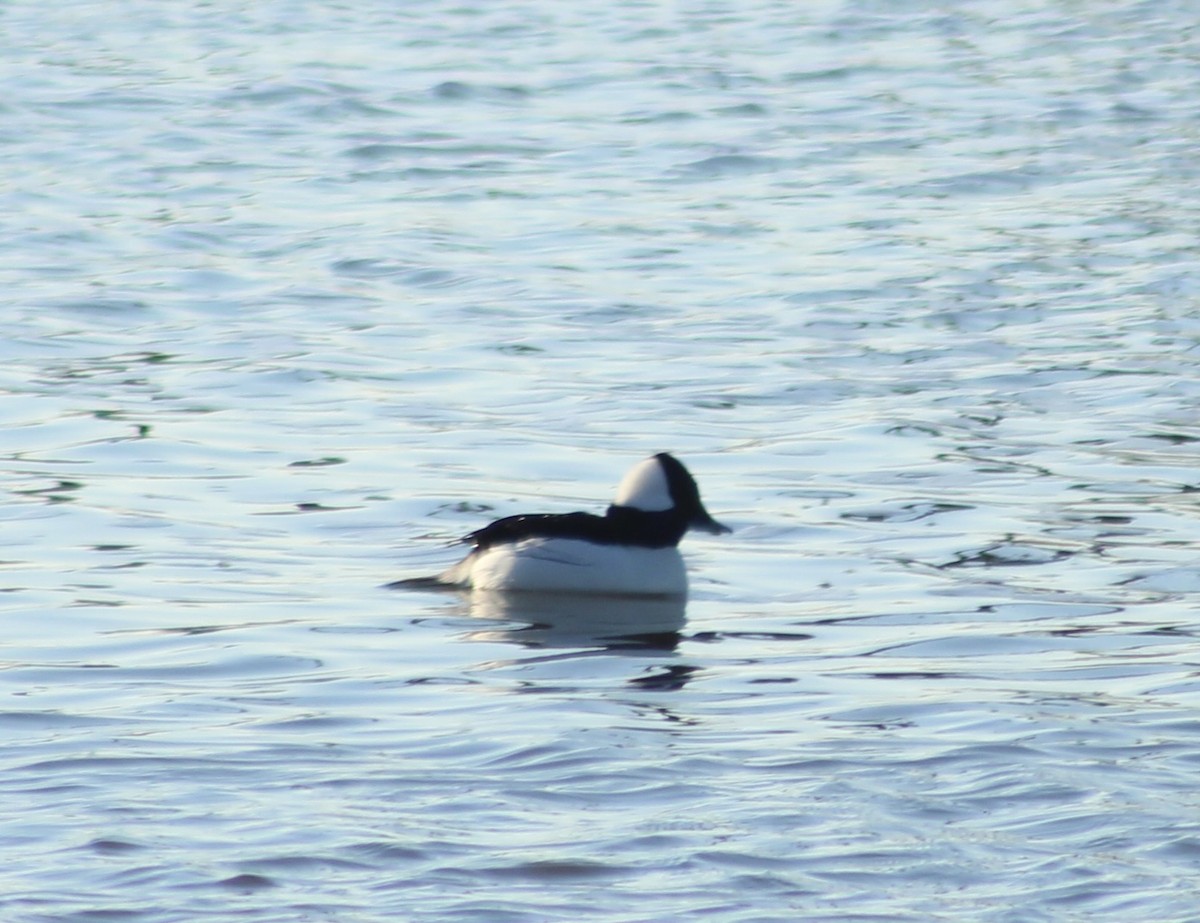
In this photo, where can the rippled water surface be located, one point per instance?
(297, 293)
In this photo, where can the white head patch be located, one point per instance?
(645, 488)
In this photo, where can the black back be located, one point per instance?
(621, 525)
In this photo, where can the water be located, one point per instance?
(295, 294)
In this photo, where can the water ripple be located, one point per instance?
(305, 295)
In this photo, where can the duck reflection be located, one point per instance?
(560, 620)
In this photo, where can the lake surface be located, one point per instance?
(295, 294)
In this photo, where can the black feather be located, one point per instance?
(621, 525)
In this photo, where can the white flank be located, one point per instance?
(572, 565)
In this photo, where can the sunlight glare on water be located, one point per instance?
(298, 294)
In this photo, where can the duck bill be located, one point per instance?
(702, 522)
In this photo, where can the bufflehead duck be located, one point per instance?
(631, 549)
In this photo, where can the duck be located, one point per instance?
(633, 549)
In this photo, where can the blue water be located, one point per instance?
(296, 294)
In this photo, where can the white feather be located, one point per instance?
(572, 565)
(645, 487)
